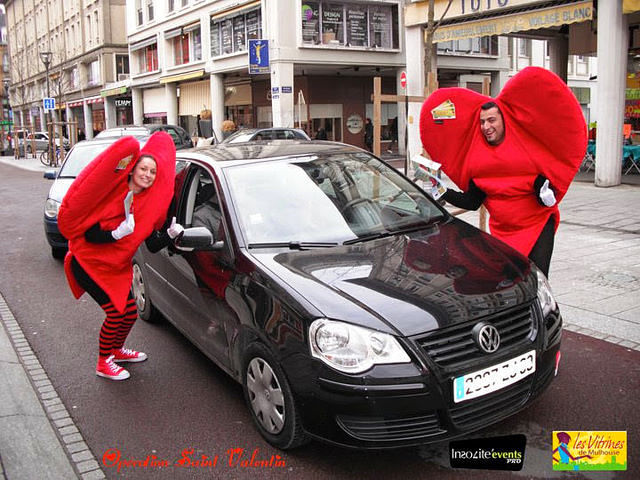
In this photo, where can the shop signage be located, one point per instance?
(287, 90)
(258, 57)
(123, 102)
(632, 94)
(354, 123)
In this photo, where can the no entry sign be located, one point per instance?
(403, 79)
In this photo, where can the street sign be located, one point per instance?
(49, 104)
(403, 79)
(258, 56)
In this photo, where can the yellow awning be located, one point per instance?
(182, 76)
(630, 6)
(520, 22)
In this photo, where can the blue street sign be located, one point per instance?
(258, 57)
(49, 103)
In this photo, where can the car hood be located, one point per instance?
(409, 283)
(59, 188)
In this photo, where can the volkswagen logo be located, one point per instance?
(486, 337)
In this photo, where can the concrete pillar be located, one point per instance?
(402, 114)
(110, 112)
(559, 55)
(171, 96)
(498, 79)
(137, 104)
(216, 87)
(71, 132)
(414, 48)
(88, 120)
(613, 43)
(282, 98)
(43, 119)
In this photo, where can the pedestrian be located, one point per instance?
(368, 135)
(516, 155)
(321, 134)
(393, 131)
(228, 127)
(118, 201)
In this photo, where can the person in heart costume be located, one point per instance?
(118, 201)
(516, 153)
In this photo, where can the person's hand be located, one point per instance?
(175, 229)
(125, 228)
(546, 195)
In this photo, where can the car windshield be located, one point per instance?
(82, 154)
(120, 132)
(329, 199)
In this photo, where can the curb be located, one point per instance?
(35, 385)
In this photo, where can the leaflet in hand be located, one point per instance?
(429, 172)
(128, 200)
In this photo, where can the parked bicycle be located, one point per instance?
(51, 157)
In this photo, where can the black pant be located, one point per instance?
(543, 248)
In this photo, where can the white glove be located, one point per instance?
(175, 229)
(125, 228)
(547, 196)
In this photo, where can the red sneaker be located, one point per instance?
(107, 369)
(127, 355)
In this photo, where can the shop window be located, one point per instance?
(350, 24)
(470, 46)
(230, 34)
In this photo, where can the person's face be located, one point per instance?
(492, 125)
(143, 175)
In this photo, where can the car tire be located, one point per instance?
(270, 400)
(58, 253)
(146, 310)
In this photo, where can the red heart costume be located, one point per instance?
(545, 133)
(97, 196)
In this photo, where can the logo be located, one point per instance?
(123, 163)
(494, 453)
(486, 337)
(446, 110)
(589, 450)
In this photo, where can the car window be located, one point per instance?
(202, 206)
(175, 136)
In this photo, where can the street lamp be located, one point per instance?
(6, 82)
(46, 59)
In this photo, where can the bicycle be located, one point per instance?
(49, 159)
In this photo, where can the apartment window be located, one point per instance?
(93, 73)
(149, 10)
(187, 46)
(73, 78)
(349, 24)
(185, 3)
(139, 12)
(524, 47)
(122, 66)
(472, 46)
(230, 34)
(148, 58)
(170, 5)
(89, 33)
(96, 21)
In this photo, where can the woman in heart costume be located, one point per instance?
(522, 177)
(118, 201)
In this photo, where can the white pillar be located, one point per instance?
(282, 99)
(559, 55)
(88, 120)
(216, 87)
(43, 119)
(171, 96)
(498, 79)
(414, 48)
(110, 112)
(137, 104)
(613, 35)
(71, 133)
(402, 113)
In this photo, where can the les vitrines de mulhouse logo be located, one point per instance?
(495, 453)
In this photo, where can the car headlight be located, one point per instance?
(545, 296)
(353, 349)
(51, 208)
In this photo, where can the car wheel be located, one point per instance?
(58, 253)
(270, 400)
(146, 310)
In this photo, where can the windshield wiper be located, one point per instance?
(294, 245)
(366, 238)
(389, 233)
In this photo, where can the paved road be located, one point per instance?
(179, 400)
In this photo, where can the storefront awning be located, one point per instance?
(235, 9)
(113, 91)
(182, 76)
(519, 22)
(76, 104)
(630, 6)
(94, 100)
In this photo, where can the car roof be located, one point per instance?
(225, 154)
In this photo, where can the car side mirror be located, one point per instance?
(197, 238)
(50, 174)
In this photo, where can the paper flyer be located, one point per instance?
(429, 172)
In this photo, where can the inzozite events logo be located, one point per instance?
(495, 453)
(595, 451)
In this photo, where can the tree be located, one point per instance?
(430, 51)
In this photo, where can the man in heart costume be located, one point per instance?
(97, 217)
(521, 176)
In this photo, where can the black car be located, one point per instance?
(351, 307)
(271, 133)
(181, 138)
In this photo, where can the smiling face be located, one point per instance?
(143, 174)
(492, 125)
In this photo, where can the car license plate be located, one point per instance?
(493, 378)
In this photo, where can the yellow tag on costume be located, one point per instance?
(446, 110)
(122, 164)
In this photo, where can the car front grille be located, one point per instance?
(491, 407)
(451, 346)
(380, 429)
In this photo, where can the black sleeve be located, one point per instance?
(537, 186)
(96, 235)
(469, 200)
(157, 240)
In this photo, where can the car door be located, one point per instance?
(198, 280)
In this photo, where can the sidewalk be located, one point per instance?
(595, 275)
